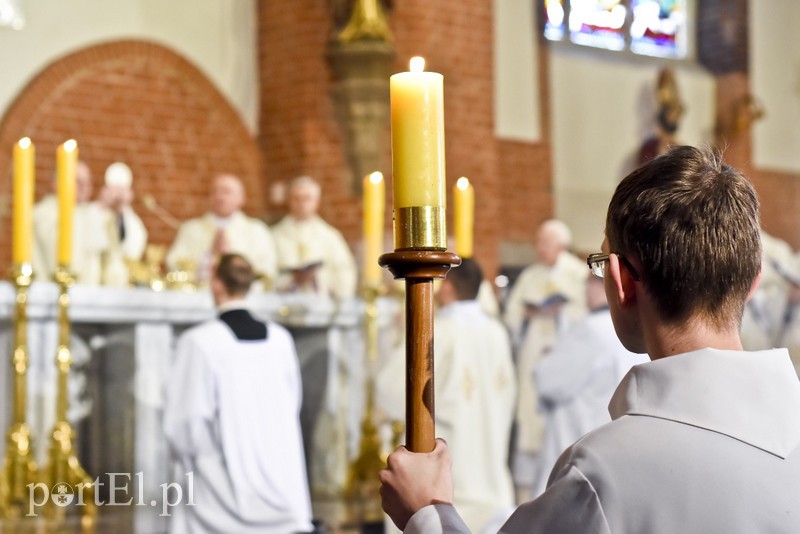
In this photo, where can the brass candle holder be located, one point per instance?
(419, 258)
(63, 465)
(19, 468)
(362, 486)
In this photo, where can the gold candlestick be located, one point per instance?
(362, 487)
(19, 468)
(63, 465)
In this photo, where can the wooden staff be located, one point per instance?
(419, 268)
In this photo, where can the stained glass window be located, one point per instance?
(648, 27)
(658, 28)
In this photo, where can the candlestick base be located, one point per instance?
(19, 469)
(419, 268)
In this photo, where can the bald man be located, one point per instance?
(224, 230)
(89, 240)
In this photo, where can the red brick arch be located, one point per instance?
(141, 103)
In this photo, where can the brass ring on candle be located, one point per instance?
(420, 227)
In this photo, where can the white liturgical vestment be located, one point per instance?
(707, 441)
(244, 235)
(306, 242)
(127, 244)
(575, 382)
(536, 286)
(475, 396)
(89, 241)
(231, 417)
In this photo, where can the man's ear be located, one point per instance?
(754, 285)
(622, 280)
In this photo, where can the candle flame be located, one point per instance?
(376, 177)
(416, 64)
(70, 145)
(462, 183)
(25, 142)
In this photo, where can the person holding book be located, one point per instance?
(313, 257)
(545, 299)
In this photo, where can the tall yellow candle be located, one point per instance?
(24, 180)
(417, 107)
(66, 167)
(374, 207)
(464, 216)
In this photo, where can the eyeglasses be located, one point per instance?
(597, 264)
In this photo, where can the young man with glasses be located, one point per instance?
(706, 436)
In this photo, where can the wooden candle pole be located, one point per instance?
(419, 268)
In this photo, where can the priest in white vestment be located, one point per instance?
(225, 229)
(127, 235)
(576, 379)
(89, 239)
(313, 257)
(545, 299)
(232, 418)
(475, 397)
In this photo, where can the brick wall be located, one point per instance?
(299, 135)
(140, 103)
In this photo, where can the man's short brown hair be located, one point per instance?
(692, 223)
(466, 279)
(235, 273)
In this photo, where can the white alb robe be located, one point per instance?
(313, 240)
(475, 396)
(244, 235)
(707, 441)
(535, 285)
(231, 416)
(575, 382)
(89, 241)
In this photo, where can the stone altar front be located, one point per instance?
(123, 343)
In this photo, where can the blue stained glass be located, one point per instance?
(659, 28)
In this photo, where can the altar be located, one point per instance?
(123, 341)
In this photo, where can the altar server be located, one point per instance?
(475, 396)
(225, 229)
(576, 379)
(546, 297)
(89, 238)
(313, 256)
(703, 438)
(231, 416)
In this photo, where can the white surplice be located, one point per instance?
(575, 382)
(305, 242)
(475, 396)
(707, 441)
(244, 235)
(231, 417)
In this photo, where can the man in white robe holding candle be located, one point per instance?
(703, 438)
(313, 257)
(545, 299)
(224, 229)
(232, 418)
(89, 240)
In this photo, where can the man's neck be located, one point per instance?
(668, 340)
